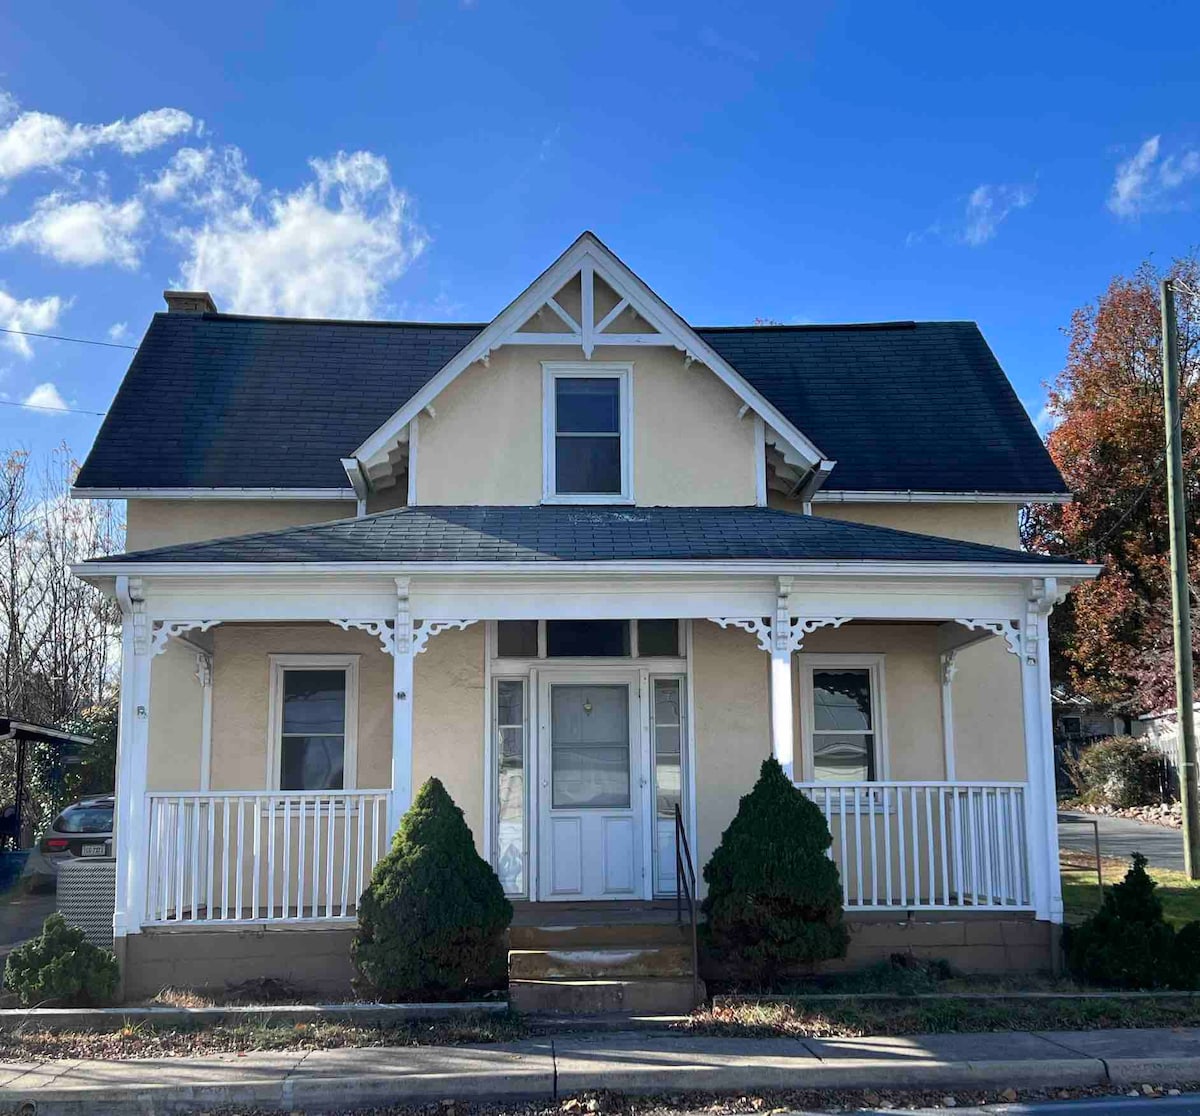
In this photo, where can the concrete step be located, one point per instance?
(607, 963)
(566, 935)
(603, 997)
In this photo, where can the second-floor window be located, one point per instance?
(587, 433)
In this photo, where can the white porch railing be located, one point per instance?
(247, 856)
(928, 845)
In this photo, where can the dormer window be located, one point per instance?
(586, 436)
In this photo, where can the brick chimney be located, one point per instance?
(189, 302)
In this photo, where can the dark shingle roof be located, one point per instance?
(901, 405)
(218, 400)
(552, 533)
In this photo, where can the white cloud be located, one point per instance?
(326, 249)
(987, 206)
(118, 331)
(35, 315)
(1044, 419)
(47, 397)
(39, 140)
(1143, 182)
(204, 179)
(81, 232)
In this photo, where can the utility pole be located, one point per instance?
(1181, 598)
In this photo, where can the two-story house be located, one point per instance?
(589, 565)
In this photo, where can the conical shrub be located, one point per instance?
(774, 895)
(431, 924)
(1129, 944)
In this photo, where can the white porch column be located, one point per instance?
(782, 712)
(204, 675)
(402, 709)
(130, 837)
(949, 669)
(1042, 806)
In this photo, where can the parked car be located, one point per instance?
(83, 829)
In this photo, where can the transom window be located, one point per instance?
(587, 433)
(588, 639)
(314, 711)
(841, 703)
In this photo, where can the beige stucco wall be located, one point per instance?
(176, 699)
(730, 683)
(150, 523)
(448, 726)
(241, 689)
(995, 524)
(988, 737)
(485, 445)
(989, 726)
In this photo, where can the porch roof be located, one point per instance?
(555, 534)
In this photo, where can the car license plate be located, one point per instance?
(94, 850)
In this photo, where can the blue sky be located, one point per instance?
(794, 161)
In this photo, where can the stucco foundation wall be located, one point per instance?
(730, 681)
(241, 693)
(689, 447)
(448, 724)
(315, 958)
(150, 523)
(176, 699)
(995, 524)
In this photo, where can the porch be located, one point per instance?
(570, 767)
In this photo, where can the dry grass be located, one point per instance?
(143, 1040)
(853, 1018)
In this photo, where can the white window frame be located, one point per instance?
(552, 371)
(282, 663)
(807, 664)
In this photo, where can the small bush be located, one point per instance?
(774, 895)
(431, 924)
(1119, 771)
(1128, 944)
(61, 966)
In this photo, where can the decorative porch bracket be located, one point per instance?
(780, 637)
(166, 630)
(425, 630)
(383, 630)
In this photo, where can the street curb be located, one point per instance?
(85, 1019)
(299, 1093)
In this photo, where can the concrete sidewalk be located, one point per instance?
(548, 1068)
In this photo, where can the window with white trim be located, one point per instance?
(314, 717)
(586, 433)
(842, 717)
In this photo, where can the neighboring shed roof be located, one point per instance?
(219, 400)
(556, 533)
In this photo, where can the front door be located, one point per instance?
(590, 787)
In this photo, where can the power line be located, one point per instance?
(56, 410)
(59, 337)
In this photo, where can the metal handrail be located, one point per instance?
(685, 888)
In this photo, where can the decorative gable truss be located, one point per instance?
(590, 299)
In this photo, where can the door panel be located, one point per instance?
(591, 791)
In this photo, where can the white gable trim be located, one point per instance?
(587, 256)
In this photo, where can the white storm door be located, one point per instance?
(590, 788)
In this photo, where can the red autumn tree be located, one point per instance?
(1112, 639)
